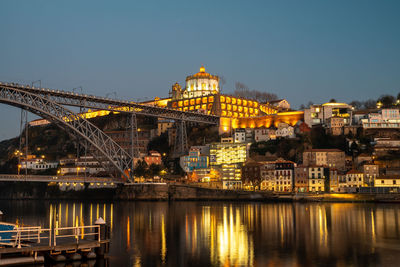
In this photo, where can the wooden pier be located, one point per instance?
(30, 245)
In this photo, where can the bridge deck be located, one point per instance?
(58, 179)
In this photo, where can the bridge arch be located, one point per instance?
(107, 151)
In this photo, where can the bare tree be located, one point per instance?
(369, 104)
(222, 81)
(387, 100)
(356, 104)
(242, 90)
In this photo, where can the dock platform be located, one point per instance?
(31, 245)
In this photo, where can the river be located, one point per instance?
(230, 233)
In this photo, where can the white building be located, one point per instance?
(285, 131)
(38, 164)
(318, 114)
(242, 135)
(264, 134)
(82, 165)
(387, 181)
(384, 118)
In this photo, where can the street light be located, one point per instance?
(38, 81)
(112, 93)
(79, 87)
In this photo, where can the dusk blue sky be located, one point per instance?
(301, 50)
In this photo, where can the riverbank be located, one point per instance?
(172, 192)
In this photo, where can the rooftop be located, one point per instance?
(323, 150)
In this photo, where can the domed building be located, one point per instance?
(202, 94)
(201, 84)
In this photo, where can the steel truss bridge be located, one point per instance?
(50, 104)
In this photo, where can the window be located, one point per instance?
(394, 181)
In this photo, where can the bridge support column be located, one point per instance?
(181, 144)
(134, 141)
(23, 125)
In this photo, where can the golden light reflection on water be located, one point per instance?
(163, 240)
(227, 234)
(233, 242)
(65, 215)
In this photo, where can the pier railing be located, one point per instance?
(32, 236)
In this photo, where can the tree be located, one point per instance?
(241, 86)
(369, 104)
(332, 100)
(241, 90)
(387, 100)
(222, 81)
(140, 168)
(356, 104)
(154, 169)
(159, 143)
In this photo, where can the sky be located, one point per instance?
(300, 50)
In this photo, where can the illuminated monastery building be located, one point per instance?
(202, 94)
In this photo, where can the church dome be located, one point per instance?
(202, 74)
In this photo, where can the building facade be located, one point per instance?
(316, 179)
(194, 161)
(301, 179)
(318, 114)
(331, 158)
(228, 157)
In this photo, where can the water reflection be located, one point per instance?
(230, 234)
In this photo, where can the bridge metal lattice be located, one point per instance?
(106, 150)
(101, 103)
(181, 144)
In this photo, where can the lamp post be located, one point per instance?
(37, 81)
(112, 93)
